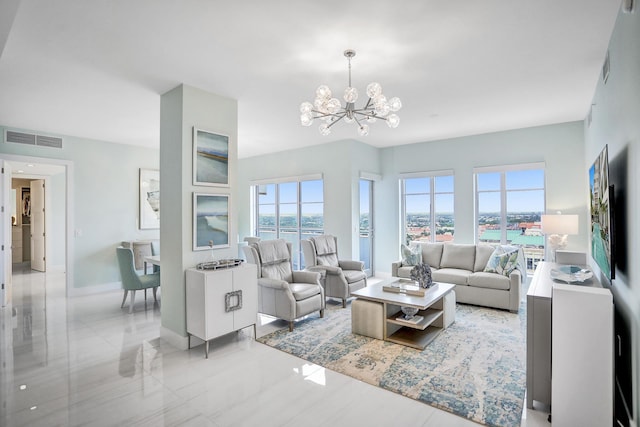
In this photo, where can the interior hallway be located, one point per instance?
(85, 361)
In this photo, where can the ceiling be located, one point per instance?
(96, 69)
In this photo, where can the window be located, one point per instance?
(509, 205)
(427, 207)
(291, 210)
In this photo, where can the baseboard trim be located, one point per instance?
(91, 290)
(176, 340)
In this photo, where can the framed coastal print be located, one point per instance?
(210, 158)
(149, 199)
(210, 221)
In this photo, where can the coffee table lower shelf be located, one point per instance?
(415, 338)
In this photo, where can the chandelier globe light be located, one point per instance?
(330, 111)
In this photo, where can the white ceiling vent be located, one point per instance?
(31, 139)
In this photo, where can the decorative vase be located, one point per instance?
(421, 273)
(408, 312)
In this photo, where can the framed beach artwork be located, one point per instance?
(210, 221)
(149, 199)
(210, 158)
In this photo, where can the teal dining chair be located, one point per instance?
(132, 281)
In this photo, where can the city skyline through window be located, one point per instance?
(428, 208)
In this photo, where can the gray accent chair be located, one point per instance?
(131, 280)
(339, 277)
(283, 292)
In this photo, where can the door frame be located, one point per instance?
(371, 179)
(69, 211)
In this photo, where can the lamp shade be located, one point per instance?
(560, 224)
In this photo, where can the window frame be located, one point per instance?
(503, 170)
(298, 180)
(432, 199)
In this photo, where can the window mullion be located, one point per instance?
(432, 203)
(503, 208)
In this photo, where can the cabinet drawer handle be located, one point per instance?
(233, 301)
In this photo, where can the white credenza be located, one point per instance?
(221, 301)
(582, 356)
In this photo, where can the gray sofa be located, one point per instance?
(463, 265)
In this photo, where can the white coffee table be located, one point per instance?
(437, 308)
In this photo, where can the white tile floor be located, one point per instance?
(84, 361)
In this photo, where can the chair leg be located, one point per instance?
(344, 303)
(124, 298)
(291, 326)
(133, 299)
(155, 291)
(322, 313)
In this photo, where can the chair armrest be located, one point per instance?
(351, 265)
(317, 269)
(394, 268)
(273, 283)
(306, 277)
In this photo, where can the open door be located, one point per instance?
(38, 261)
(5, 233)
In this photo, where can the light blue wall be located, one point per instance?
(340, 163)
(58, 215)
(181, 109)
(616, 122)
(105, 191)
(560, 147)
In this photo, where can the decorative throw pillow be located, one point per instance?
(411, 255)
(502, 262)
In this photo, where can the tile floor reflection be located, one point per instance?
(84, 361)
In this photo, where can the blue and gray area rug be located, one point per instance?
(475, 368)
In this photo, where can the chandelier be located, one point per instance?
(330, 111)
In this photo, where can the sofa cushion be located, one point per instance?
(502, 261)
(489, 280)
(451, 275)
(458, 256)
(483, 253)
(432, 253)
(411, 255)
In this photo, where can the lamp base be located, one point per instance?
(556, 241)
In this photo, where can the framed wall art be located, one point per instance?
(149, 199)
(210, 158)
(210, 221)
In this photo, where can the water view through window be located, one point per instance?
(291, 211)
(509, 209)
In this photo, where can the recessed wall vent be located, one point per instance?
(49, 141)
(32, 139)
(21, 138)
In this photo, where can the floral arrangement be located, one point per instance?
(421, 273)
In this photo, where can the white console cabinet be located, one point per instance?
(582, 356)
(221, 301)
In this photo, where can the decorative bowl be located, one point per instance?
(409, 312)
(571, 274)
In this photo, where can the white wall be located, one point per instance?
(616, 122)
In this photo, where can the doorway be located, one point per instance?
(51, 244)
(366, 225)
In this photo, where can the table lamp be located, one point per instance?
(557, 227)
